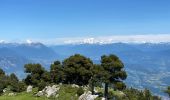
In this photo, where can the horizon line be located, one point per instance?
(140, 38)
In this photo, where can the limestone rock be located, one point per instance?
(39, 94)
(103, 98)
(51, 91)
(4, 90)
(11, 94)
(29, 89)
(87, 96)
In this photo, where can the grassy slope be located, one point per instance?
(22, 96)
(66, 92)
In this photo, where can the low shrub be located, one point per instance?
(80, 91)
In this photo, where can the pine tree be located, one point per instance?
(77, 69)
(56, 72)
(36, 74)
(96, 71)
(114, 73)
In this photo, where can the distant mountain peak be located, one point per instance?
(29, 41)
(2, 41)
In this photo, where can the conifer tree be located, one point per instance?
(77, 69)
(56, 72)
(113, 73)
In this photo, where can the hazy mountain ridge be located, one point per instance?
(13, 56)
(147, 64)
(31, 50)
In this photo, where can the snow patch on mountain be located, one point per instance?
(29, 41)
(2, 41)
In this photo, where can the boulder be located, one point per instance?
(51, 91)
(88, 96)
(4, 90)
(40, 93)
(29, 89)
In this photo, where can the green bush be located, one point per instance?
(1, 88)
(80, 91)
(111, 95)
(41, 85)
(98, 98)
(18, 87)
(100, 94)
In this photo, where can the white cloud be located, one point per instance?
(120, 38)
(103, 39)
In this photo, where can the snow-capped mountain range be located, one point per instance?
(152, 38)
(121, 38)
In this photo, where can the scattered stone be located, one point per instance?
(103, 98)
(95, 90)
(4, 90)
(87, 96)
(51, 91)
(57, 96)
(29, 89)
(39, 94)
(11, 94)
(85, 88)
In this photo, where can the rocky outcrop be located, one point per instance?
(87, 96)
(49, 91)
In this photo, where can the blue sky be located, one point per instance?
(41, 19)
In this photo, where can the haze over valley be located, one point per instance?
(147, 64)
